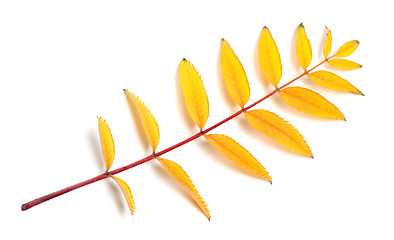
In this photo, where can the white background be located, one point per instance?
(62, 63)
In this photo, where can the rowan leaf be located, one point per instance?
(344, 64)
(303, 47)
(332, 81)
(238, 154)
(347, 49)
(181, 176)
(279, 130)
(234, 75)
(308, 101)
(269, 57)
(196, 98)
(107, 143)
(149, 122)
(126, 192)
(327, 43)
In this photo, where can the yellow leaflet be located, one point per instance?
(238, 154)
(194, 92)
(279, 130)
(347, 49)
(149, 122)
(303, 47)
(181, 176)
(327, 43)
(333, 81)
(308, 101)
(344, 64)
(269, 57)
(126, 192)
(234, 75)
(107, 143)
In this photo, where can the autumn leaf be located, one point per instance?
(181, 176)
(279, 130)
(107, 143)
(269, 57)
(332, 81)
(234, 75)
(303, 47)
(327, 43)
(347, 49)
(344, 64)
(126, 192)
(238, 154)
(196, 98)
(149, 122)
(266, 122)
(308, 101)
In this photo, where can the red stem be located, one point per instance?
(61, 192)
(150, 157)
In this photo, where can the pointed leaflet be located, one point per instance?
(347, 49)
(269, 57)
(344, 64)
(149, 122)
(332, 81)
(126, 192)
(107, 143)
(196, 98)
(279, 130)
(308, 101)
(327, 43)
(238, 154)
(303, 47)
(181, 176)
(234, 75)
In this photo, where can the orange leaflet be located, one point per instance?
(107, 143)
(332, 81)
(347, 49)
(279, 130)
(126, 193)
(181, 176)
(269, 57)
(327, 43)
(308, 101)
(238, 154)
(344, 64)
(234, 75)
(196, 98)
(303, 47)
(149, 122)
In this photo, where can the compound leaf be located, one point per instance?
(279, 130)
(238, 154)
(181, 176)
(196, 98)
(308, 101)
